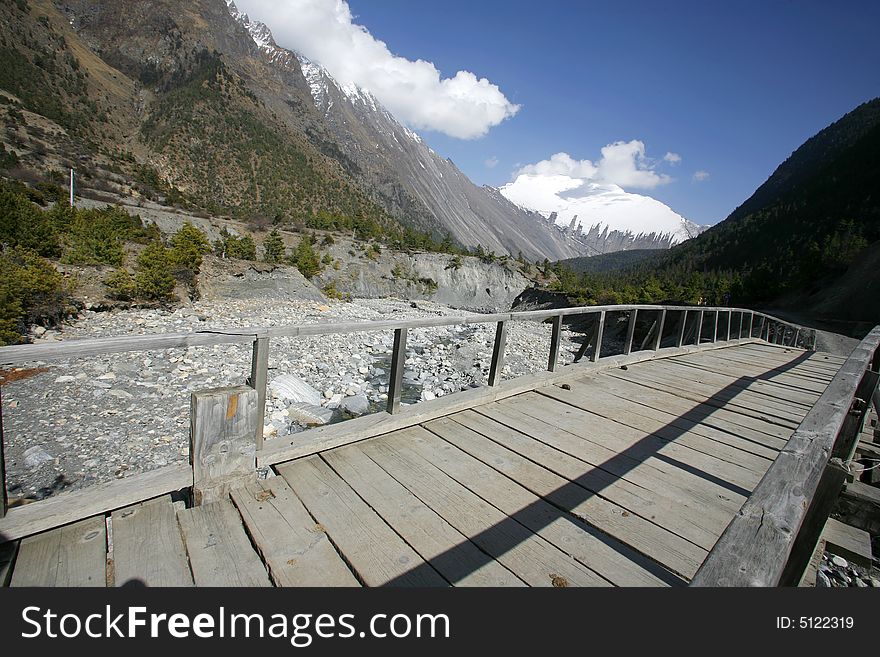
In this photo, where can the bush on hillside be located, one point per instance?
(31, 291)
(273, 247)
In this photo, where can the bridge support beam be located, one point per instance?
(222, 440)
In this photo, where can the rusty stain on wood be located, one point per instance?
(231, 407)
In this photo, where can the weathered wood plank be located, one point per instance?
(449, 551)
(73, 555)
(293, 546)
(319, 439)
(529, 557)
(622, 414)
(68, 507)
(223, 433)
(258, 380)
(653, 504)
(775, 379)
(536, 497)
(721, 418)
(756, 547)
(799, 370)
(848, 542)
(148, 547)
(702, 508)
(498, 350)
(8, 551)
(727, 480)
(220, 553)
(377, 554)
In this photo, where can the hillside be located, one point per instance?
(801, 239)
(192, 105)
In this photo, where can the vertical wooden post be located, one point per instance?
(715, 329)
(258, 379)
(797, 333)
(600, 330)
(660, 329)
(765, 329)
(739, 333)
(729, 322)
(4, 501)
(223, 427)
(684, 321)
(555, 337)
(498, 352)
(699, 327)
(395, 381)
(630, 330)
(751, 324)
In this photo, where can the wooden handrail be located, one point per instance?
(768, 542)
(260, 338)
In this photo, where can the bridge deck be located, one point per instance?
(621, 477)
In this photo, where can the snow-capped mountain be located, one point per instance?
(591, 207)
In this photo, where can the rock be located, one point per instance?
(39, 331)
(294, 390)
(875, 582)
(822, 580)
(36, 456)
(309, 414)
(860, 583)
(65, 379)
(356, 404)
(840, 562)
(328, 393)
(427, 395)
(120, 394)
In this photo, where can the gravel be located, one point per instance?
(79, 422)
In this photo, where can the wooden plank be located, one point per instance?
(222, 440)
(530, 557)
(731, 481)
(437, 542)
(818, 360)
(68, 507)
(808, 579)
(712, 396)
(147, 545)
(536, 496)
(8, 551)
(220, 553)
(623, 414)
(799, 371)
(721, 418)
(777, 519)
(600, 329)
(395, 379)
(376, 553)
(319, 439)
(650, 381)
(751, 383)
(654, 505)
(498, 349)
(689, 416)
(73, 555)
(848, 542)
(293, 546)
(775, 377)
(704, 509)
(258, 380)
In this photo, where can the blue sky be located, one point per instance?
(733, 88)
(730, 87)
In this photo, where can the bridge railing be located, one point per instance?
(770, 541)
(696, 326)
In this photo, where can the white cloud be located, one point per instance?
(622, 163)
(462, 106)
(672, 158)
(492, 162)
(700, 176)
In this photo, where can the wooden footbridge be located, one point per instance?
(707, 451)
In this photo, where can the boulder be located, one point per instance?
(309, 414)
(356, 404)
(294, 390)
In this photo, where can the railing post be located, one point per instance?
(555, 337)
(751, 324)
(3, 499)
(223, 423)
(258, 380)
(715, 330)
(797, 333)
(498, 352)
(600, 330)
(630, 330)
(765, 329)
(660, 329)
(699, 327)
(395, 381)
(739, 333)
(729, 322)
(684, 321)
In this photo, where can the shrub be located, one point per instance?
(305, 258)
(273, 247)
(188, 245)
(331, 292)
(31, 290)
(230, 246)
(122, 285)
(153, 279)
